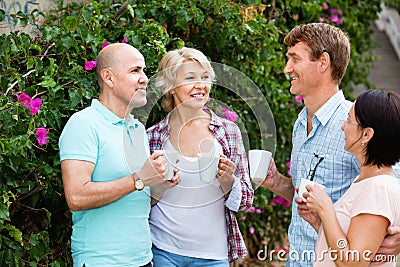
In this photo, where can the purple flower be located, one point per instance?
(41, 134)
(125, 40)
(104, 44)
(278, 200)
(339, 22)
(90, 65)
(339, 12)
(299, 99)
(25, 99)
(325, 6)
(35, 106)
(251, 230)
(230, 115)
(332, 11)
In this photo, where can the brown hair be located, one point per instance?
(322, 37)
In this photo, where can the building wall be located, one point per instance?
(26, 6)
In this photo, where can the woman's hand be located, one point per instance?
(311, 217)
(317, 199)
(225, 174)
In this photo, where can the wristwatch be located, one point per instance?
(139, 185)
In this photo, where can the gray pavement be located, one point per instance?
(385, 73)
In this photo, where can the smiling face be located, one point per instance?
(123, 74)
(303, 71)
(193, 84)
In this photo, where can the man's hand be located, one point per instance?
(154, 169)
(390, 245)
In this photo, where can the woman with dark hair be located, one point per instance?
(351, 230)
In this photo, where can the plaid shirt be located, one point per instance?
(228, 135)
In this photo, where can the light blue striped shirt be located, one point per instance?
(336, 172)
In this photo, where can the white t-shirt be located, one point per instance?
(379, 195)
(189, 219)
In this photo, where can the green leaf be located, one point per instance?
(67, 41)
(2, 14)
(48, 82)
(4, 213)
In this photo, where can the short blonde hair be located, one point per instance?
(168, 67)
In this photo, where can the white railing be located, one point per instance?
(389, 21)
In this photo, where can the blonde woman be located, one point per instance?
(194, 223)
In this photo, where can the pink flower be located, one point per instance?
(335, 19)
(243, 218)
(252, 209)
(35, 106)
(90, 65)
(41, 134)
(279, 248)
(299, 99)
(339, 21)
(125, 40)
(288, 164)
(25, 99)
(28, 102)
(104, 44)
(332, 11)
(258, 211)
(325, 6)
(230, 115)
(339, 12)
(251, 230)
(278, 200)
(321, 20)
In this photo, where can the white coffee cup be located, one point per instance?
(259, 161)
(208, 166)
(171, 156)
(302, 187)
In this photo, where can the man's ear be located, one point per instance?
(324, 61)
(107, 77)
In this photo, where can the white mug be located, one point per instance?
(259, 161)
(302, 187)
(171, 156)
(208, 166)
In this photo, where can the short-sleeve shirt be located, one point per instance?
(377, 195)
(116, 234)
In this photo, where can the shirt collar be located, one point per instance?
(106, 113)
(325, 112)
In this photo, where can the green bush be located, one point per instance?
(35, 224)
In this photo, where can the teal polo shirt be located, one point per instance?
(117, 234)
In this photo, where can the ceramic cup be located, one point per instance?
(259, 161)
(302, 187)
(208, 166)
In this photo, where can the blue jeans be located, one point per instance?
(162, 258)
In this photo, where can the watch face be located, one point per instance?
(139, 184)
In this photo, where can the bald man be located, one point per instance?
(107, 168)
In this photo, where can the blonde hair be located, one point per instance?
(168, 67)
